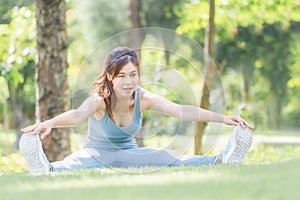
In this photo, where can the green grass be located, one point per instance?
(269, 172)
(273, 181)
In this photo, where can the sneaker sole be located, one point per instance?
(243, 141)
(31, 147)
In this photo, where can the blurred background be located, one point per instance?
(256, 43)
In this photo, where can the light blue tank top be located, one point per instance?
(105, 134)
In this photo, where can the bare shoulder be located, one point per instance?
(147, 99)
(92, 104)
(153, 101)
(145, 93)
(96, 105)
(98, 102)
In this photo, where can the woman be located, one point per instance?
(114, 114)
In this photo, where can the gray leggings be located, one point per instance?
(132, 157)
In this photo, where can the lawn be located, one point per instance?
(269, 172)
(249, 181)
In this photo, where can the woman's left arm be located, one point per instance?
(189, 112)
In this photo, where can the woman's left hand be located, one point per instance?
(235, 120)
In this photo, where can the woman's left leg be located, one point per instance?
(139, 157)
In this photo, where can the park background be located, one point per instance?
(256, 48)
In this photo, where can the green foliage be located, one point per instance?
(163, 13)
(267, 50)
(17, 56)
(258, 12)
(18, 44)
(6, 8)
(252, 36)
(292, 110)
(275, 59)
(99, 20)
(256, 42)
(193, 20)
(277, 41)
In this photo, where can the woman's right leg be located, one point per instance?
(84, 159)
(77, 160)
(31, 148)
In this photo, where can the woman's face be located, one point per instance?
(126, 81)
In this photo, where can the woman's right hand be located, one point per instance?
(42, 127)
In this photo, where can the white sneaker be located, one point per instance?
(238, 145)
(31, 148)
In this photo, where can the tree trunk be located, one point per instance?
(209, 73)
(52, 96)
(136, 37)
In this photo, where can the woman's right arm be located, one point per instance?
(69, 118)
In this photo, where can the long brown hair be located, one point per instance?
(114, 62)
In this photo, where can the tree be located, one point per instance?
(52, 86)
(209, 73)
(275, 65)
(136, 38)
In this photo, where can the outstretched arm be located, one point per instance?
(67, 119)
(188, 112)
